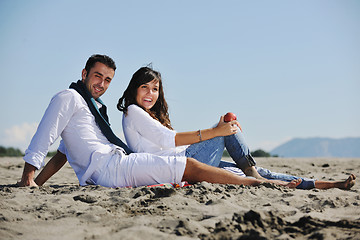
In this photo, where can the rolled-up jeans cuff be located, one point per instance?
(306, 183)
(245, 162)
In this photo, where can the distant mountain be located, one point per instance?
(319, 147)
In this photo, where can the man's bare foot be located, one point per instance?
(28, 183)
(348, 183)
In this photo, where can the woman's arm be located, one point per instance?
(147, 127)
(222, 129)
(52, 167)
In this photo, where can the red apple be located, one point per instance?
(229, 117)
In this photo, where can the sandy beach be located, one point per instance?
(62, 209)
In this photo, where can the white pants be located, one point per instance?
(139, 169)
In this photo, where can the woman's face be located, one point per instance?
(147, 94)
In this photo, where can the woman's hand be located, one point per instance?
(222, 129)
(227, 128)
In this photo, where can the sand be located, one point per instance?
(62, 209)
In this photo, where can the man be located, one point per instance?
(95, 153)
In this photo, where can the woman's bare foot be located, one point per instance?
(293, 184)
(252, 172)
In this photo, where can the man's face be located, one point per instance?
(98, 79)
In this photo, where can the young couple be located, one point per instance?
(161, 155)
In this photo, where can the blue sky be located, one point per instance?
(285, 68)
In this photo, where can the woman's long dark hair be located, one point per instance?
(160, 110)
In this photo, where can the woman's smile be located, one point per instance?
(147, 94)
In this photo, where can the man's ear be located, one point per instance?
(83, 74)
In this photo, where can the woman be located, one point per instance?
(147, 128)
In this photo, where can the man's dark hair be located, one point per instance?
(99, 58)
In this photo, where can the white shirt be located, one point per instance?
(85, 146)
(145, 134)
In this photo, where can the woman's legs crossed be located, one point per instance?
(208, 152)
(306, 183)
(239, 151)
(196, 171)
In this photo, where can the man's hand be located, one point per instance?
(27, 179)
(26, 183)
(52, 167)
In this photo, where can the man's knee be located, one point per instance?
(190, 163)
(192, 166)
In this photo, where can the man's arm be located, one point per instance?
(52, 167)
(27, 178)
(55, 119)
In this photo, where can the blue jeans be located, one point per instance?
(210, 152)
